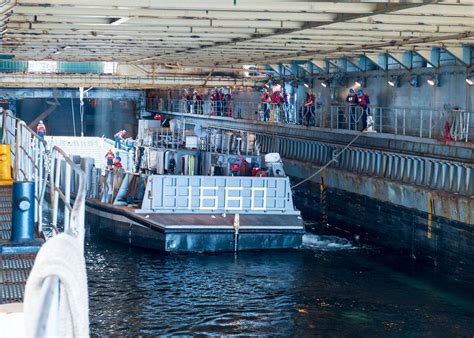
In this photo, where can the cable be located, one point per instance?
(333, 159)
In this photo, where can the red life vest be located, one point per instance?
(275, 98)
(309, 100)
(266, 98)
(352, 99)
(41, 128)
(235, 167)
(364, 100)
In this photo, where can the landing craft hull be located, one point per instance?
(194, 233)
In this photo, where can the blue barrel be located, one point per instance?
(23, 211)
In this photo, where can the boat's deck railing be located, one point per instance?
(33, 160)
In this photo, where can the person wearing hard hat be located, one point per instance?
(119, 137)
(364, 101)
(41, 129)
(353, 100)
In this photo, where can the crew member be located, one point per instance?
(308, 107)
(266, 100)
(187, 99)
(41, 129)
(118, 162)
(364, 101)
(213, 98)
(353, 100)
(110, 159)
(119, 137)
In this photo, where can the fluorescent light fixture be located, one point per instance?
(325, 83)
(394, 81)
(470, 79)
(433, 80)
(266, 85)
(120, 21)
(306, 85)
(357, 84)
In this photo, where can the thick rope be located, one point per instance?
(334, 159)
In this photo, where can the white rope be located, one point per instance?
(67, 314)
(335, 157)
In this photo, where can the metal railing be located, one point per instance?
(407, 121)
(34, 161)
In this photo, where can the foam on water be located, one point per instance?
(322, 242)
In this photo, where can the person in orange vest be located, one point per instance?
(110, 158)
(41, 129)
(119, 137)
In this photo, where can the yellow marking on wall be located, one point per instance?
(430, 215)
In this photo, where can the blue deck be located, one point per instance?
(14, 268)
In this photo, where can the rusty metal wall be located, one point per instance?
(450, 176)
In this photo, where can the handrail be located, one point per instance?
(408, 121)
(33, 161)
(73, 214)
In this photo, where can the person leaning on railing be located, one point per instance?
(364, 101)
(353, 100)
(308, 107)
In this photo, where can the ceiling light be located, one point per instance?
(394, 81)
(357, 84)
(414, 81)
(470, 79)
(325, 83)
(306, 85)
(120, 20)
(433, 80)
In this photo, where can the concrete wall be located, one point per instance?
(101, 116)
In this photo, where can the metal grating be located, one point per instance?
(14, 271)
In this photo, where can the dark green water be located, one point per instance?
(328, 289)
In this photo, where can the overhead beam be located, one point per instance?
(379, 9)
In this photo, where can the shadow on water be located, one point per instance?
(331, 287)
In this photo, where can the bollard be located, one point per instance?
(5, 166)
(23, 211)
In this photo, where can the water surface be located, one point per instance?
(329, 288)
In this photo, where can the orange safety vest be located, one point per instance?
(41, 128)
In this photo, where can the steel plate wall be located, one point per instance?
(450, 176)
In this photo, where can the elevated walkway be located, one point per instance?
(408, 145)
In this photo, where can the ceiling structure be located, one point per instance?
(222, 35)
